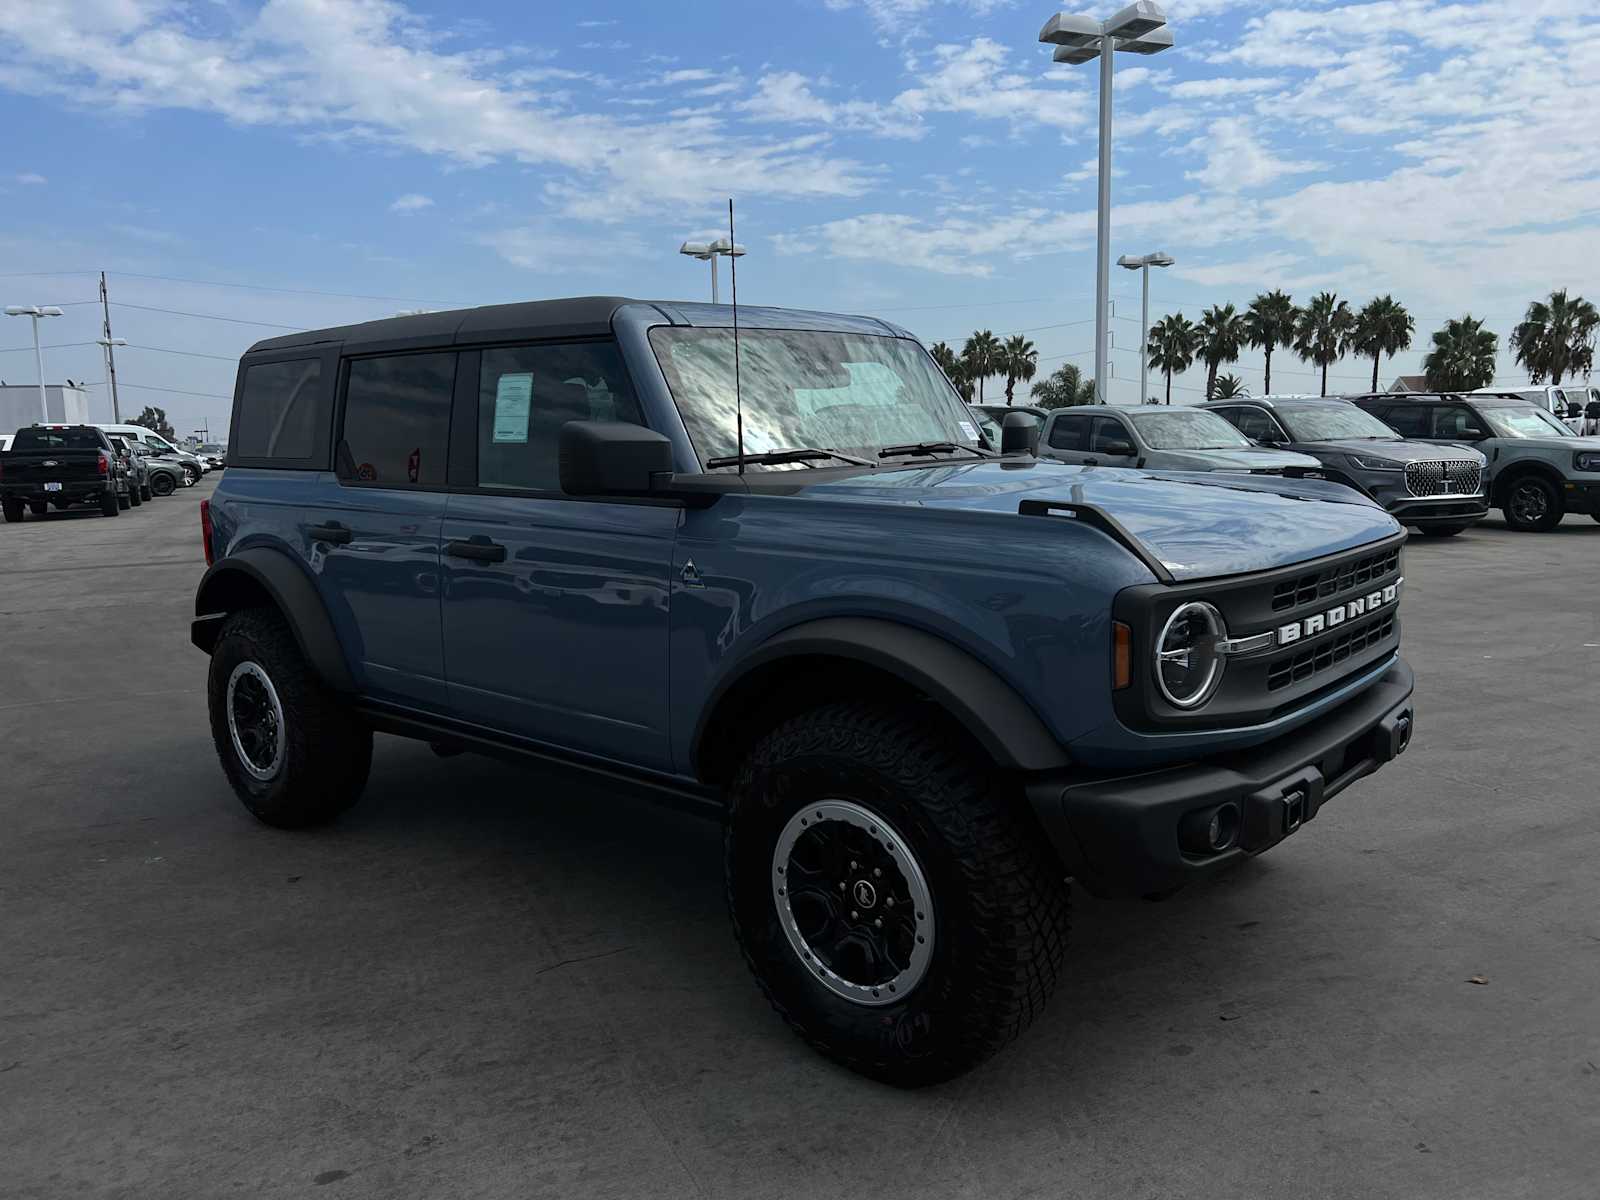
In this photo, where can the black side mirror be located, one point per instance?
(612, 458)
(1019, 433)
(1117, 447)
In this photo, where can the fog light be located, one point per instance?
(1209, 830)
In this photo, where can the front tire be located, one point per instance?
(39, 508)
(1440, 531)
(296, 753)
(12, 510)
(163, 484)
(1533, 505)
(898, 911)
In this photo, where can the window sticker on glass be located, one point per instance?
(966, 428)
(513, 397)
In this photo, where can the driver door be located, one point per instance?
(1106, 440)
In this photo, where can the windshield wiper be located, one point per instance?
(935, 448)
(795, 454)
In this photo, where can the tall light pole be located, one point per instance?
(36, 311)
(1138, 29)
(710, 252)
(1143, 264)
(106, 347)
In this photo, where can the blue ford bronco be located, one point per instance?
(776, 571)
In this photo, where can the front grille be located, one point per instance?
(1444, 477)
(1291, 593)
(1329, 653)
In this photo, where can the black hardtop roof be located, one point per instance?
(579, 316)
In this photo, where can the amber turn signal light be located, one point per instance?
(1121, 655)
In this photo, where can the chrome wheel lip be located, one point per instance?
(250, 671)
(873, 995)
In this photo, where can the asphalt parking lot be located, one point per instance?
(491, 982)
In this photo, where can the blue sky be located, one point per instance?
(919, 159)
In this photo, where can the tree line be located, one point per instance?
(1554, 340)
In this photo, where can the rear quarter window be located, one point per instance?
(282, 413)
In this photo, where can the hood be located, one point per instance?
(1253, 458)
(1199, 525)
(1399, 451)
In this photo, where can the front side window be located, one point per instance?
(527, 393)
(281, 413)
(853, 393)
(1176, 429)
(1334, 422)
(397, 420)
(1522, 421)
(1254, 424)
(1409, 420)
(1107, 430)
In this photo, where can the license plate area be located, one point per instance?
(52, 487)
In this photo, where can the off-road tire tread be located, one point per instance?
(328, 752)
(1015, 883)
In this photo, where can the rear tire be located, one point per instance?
(124, 502)
(145, 493)
(1532, 504)
(1440, 531)
(295, 752)
(110, 504)
(134, 498)
(12, 510)
(914, 814)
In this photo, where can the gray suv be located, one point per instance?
(1438, 489)
(1539, 470)
(1161, 439)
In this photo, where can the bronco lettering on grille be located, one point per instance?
(1338, 615)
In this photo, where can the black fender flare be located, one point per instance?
(1506, 476)
(237, 580)
(971, 692)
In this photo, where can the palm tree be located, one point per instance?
(1322, 334)
(1229, 387)
(1221, 338)
(1383, 327)
(1556, 338)
(1064, 387)
(1171, 346)
(1462, 357)
(1268, 323)
(981, 355)
(1018, 360)
(954, 369)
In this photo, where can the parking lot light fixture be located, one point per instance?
(711, 251)
(36, 311)
(1139, 28)
(1142, 264)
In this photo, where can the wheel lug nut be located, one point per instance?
(877, 871)
(854, 914)
(890, 901)
(878, 922)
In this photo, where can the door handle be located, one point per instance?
(332, 532)
(478, 548)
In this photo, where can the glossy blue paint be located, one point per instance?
(566, 640)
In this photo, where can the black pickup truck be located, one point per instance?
(61, 465)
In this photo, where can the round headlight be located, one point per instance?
(1187, 663)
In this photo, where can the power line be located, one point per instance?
(145, 387)
(261, 287)
(57, 346)
(232, 358)
(207, 316)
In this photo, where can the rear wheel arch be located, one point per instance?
(823, 660)
(260, 577)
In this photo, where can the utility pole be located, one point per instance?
(111, 354)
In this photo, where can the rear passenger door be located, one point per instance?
(375, 542)
(555, 613)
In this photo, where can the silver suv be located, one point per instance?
(1539, 470)
(1161, 439)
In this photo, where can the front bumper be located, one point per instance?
(1118, 833)
(1455, 510)
(1579, 496)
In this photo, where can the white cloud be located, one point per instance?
(365, 70)
(1261, 271)
(1213, 89)
(1236, 159)
(411, 202)
(897, 16)
(31, 177)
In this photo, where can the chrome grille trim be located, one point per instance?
(1455, 478)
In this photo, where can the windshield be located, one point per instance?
(987, 424)
(1522, 421)
(835, 391)
(1174, 430)
(1334, 423)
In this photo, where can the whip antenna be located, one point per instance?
(738, 400)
